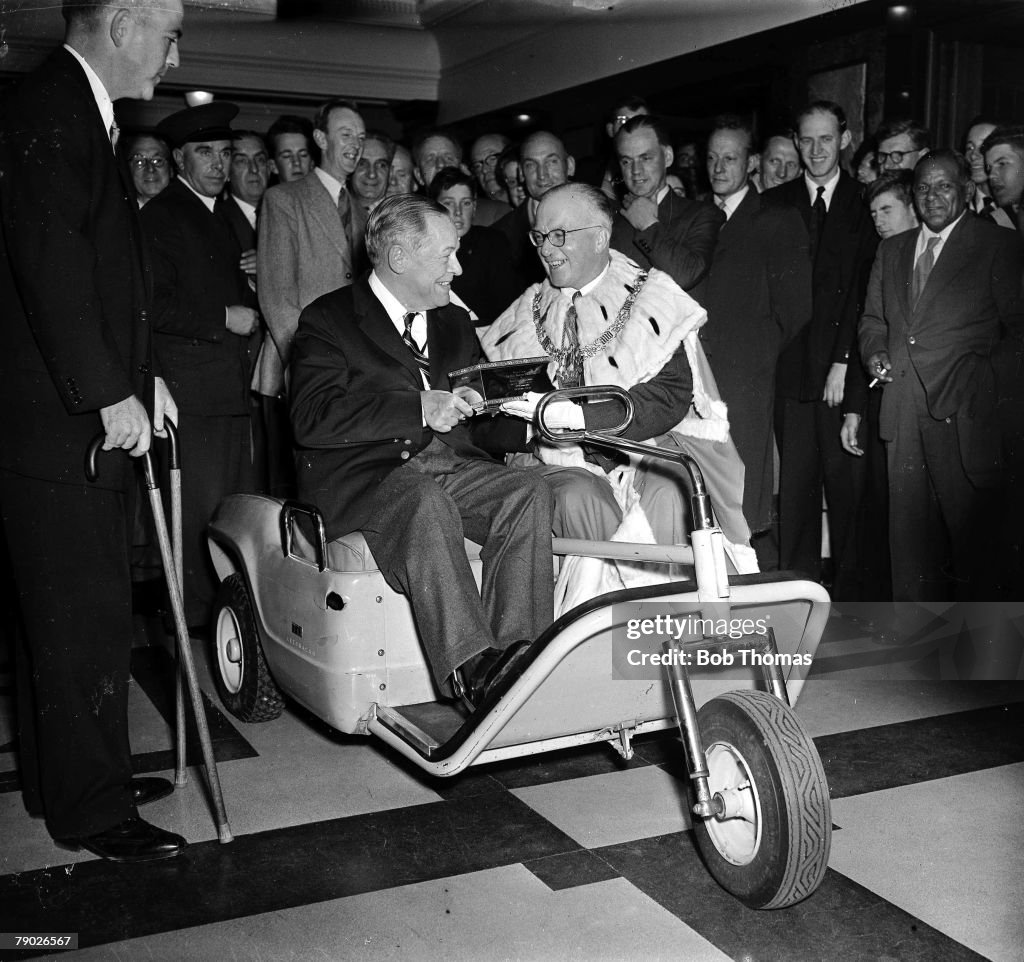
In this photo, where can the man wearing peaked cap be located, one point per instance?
(208, 122)
(206, 330)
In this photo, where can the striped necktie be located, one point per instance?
(345, 213)
(421, 359)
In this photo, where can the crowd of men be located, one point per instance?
(775, 239)
(296, 300)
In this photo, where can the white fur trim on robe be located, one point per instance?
(662, 317)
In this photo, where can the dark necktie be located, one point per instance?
(345, 213)
(421, 359)
(570, 371)
(818, 212)
(988, 209)
(923, 268)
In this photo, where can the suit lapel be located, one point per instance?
(325, 211)
(954, 256)
(738, 225)
(377, 326)
(904, 267)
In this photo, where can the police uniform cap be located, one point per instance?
(192, 125)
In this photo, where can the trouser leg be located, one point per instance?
(800, 485)
(69, 548)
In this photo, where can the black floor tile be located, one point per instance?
(571, 869)
(887, 756)
(279, 869)
(842, 920)
(560, 765)
(153, 670)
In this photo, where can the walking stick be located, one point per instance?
(174, 587)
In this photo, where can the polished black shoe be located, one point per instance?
(484, 673)
(146, 790)
(134, 840)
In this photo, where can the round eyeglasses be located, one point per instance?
(138, 161)
(556, 237)
(488, 163)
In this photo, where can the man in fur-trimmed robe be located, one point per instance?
(603, 320)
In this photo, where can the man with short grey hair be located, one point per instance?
(383, 448)
(77, 363)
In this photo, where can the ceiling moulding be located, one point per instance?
(534, 62)
(309, 78)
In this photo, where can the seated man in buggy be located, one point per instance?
(383, 449)
(603, 320)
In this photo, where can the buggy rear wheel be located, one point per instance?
(239, 669)
(770, 847)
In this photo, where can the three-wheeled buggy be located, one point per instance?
(312, 620)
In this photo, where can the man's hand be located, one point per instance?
(127, 426)
(242, 320)
(879, 366)
(560, 414)
(835, 384)
(442, 410)
(848, 434)
(473, 398)
(163, 407)
(641, 212)
(248, 262)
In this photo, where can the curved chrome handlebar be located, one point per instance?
(700, 502)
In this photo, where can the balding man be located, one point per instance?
(941, 304)
(75, 362)
(603, 320)
(656, 227)
(545, 163)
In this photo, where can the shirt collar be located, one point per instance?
(830, 188)
(248, 209)
(333, 185)
(393, 307)
(208, 201)
(103, 100)
(733, 201)
(571, 292)
(926, 233)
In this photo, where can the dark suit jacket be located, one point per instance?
(681, 244)
(72, 277)
(516, 228)
(196, 276)
(969, 312)
(758, 298)
(240, 226)
(841, 268)
(355, 398)
(489, 282)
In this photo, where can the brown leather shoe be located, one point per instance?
(134, 840)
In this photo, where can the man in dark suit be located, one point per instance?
(943, 304)
(206, 329)
(75, 363)
(383, 450)
(758, 296)
(656, 227)
(812, 372)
